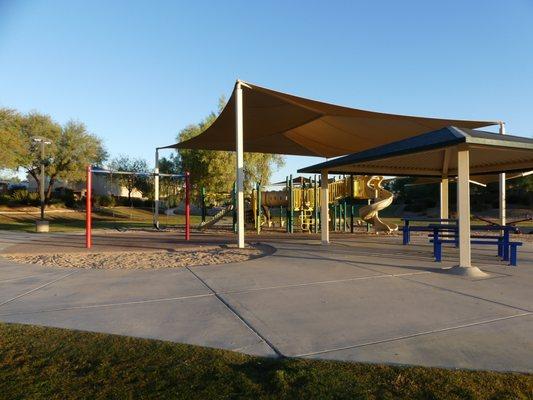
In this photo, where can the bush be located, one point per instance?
(104, 201)
(33, 199)
(68, 198)
(23, 197)
(136, 202)
(172, 201)
(149, 203)
(20, 196)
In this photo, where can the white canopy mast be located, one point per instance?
(239, 168)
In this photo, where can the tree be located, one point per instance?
(72, 147)
(74, 150)
(258, 168)
(215, 170)
(35, 125)
(169, 186)
(125, 163)
(11, 140)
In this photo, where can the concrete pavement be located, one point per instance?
(363, 298)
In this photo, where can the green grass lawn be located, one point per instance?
(116, 217)
(111, 218)
(50, 363)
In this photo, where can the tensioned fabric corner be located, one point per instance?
(280, 123)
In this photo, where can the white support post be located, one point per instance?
(324, 209)
(444, 199)
(444, 186)
(501, 185)
(240, 163)
(156, 190)
(463, 208)
(463, 196)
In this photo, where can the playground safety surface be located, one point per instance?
(363, 298)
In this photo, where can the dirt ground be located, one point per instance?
(170, 258)
(150, 250)
(132, 250)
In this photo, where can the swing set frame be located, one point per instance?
(88, 198)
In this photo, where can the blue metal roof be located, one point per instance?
(441, 138)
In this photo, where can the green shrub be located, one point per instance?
(20, 196)
(68, 198)
(23, 197)
(33, 199)
(136, 202)
(172, 201)
(104, 201)
(149, 203)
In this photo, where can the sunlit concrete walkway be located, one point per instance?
(363, 298)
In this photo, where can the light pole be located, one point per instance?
(42, 142)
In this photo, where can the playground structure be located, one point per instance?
(300, 203)
(383, 200)
(297, 206)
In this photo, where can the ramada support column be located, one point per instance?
(502, 200)
(463, 194)
(463, 207)
(324, 209)
(444, 184)
(240, 163)
(444, 199)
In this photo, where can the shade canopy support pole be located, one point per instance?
(240, 163)
(324, 209)
(463, 208)
(501, 186)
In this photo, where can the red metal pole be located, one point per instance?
(88, 217)
(187, 206)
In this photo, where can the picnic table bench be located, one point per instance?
(408, 227)
(507, 249)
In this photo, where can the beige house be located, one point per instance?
(102, 185)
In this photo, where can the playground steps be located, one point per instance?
(217, 217)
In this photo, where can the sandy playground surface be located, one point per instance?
(171, 258)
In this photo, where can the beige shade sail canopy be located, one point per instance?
(281, 123)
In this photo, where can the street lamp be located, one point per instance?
(42, 142)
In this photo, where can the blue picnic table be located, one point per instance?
(408, 227)
(507, 250)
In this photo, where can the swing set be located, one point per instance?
(88, 198)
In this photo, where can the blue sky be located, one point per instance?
(136, 72)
